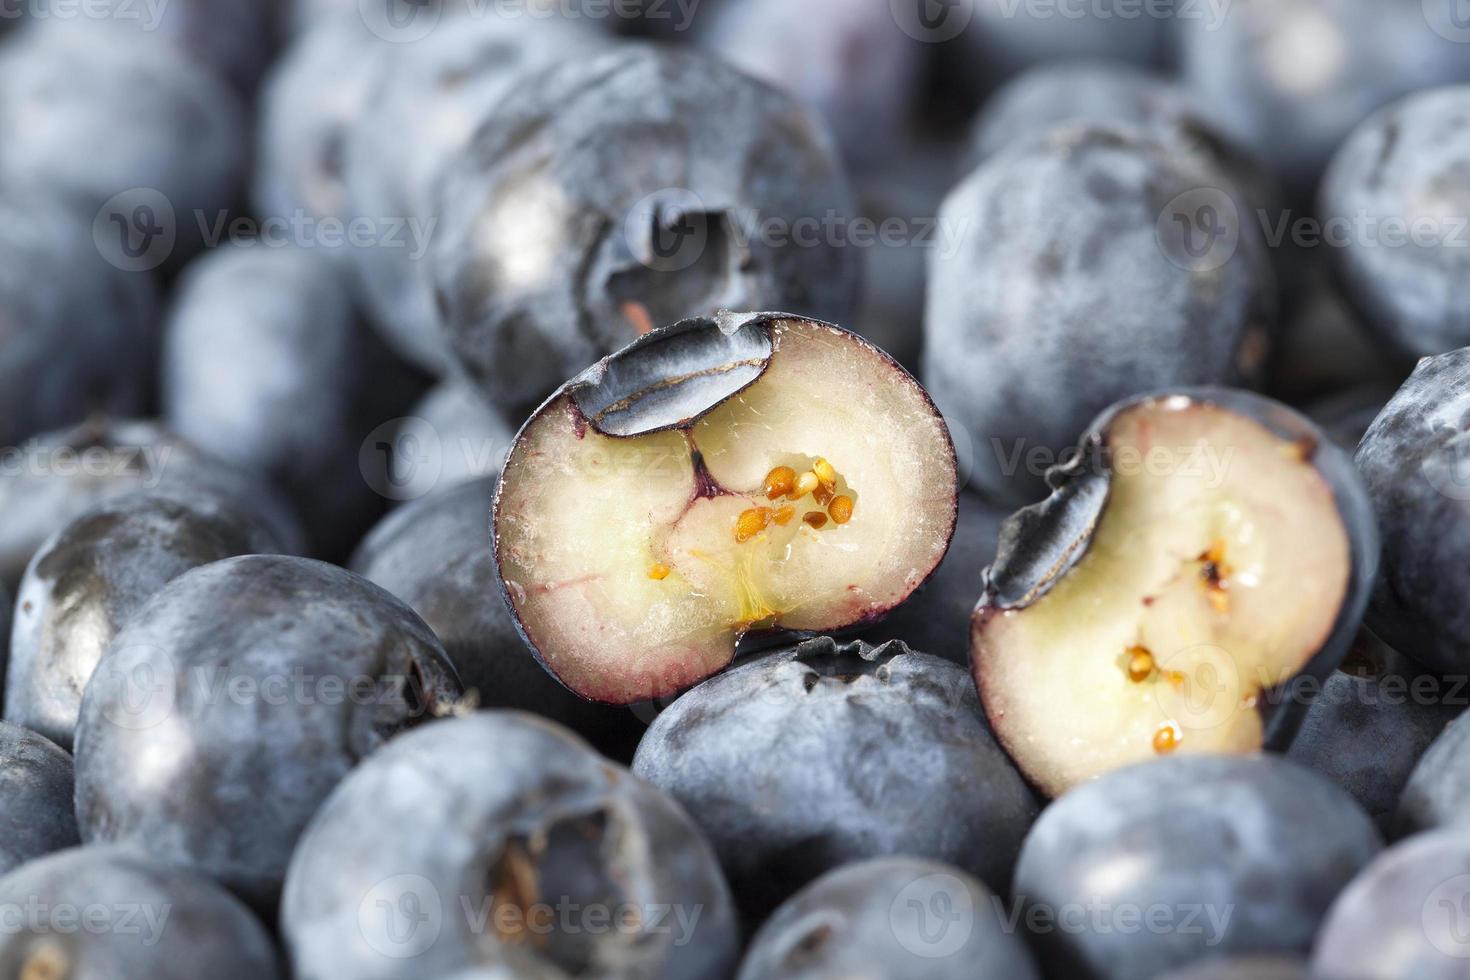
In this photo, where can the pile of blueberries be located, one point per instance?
(281, 281)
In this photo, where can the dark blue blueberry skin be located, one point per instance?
(810, 757)
(267, 366)
(1409, 164)
(72, 470)
(1243, 854)
(504, 814)
(1415, 462)
(936, 619)
(1371, 721)
(36, 788)
(1290, 79)
(669, 156)
(890, 917)
(229, 707)
(434, 554)
(160, 923)
(1403, 917)
(76, 335)
(1071, 287)
(92, 576)
(92, 112)
(1438, 791)
(1246, 968)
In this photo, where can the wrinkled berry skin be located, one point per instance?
(1407, 164)
(1438, 790)
(248, 688)
(35, 797)
(75, 469)
(633, 182)
(434, 555)
(801, 760)
(877, 918)
(1071, 288)
(163, 924)
(143, 113)
(1290, 78)
(267, 366)
(936, 619)
(90, 579)
(504, 808)
(1402, 916)
(419, 116)
(1370, 723)
(1256, 838)
(1415, 462)
(76, 335)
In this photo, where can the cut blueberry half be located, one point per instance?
(1201, 550)
(717, 478)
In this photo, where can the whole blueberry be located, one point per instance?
(1245, 968)
(157, 922)
(76, 335)
(434, 554)
(845, 60)
(614, 194)
(936, 619)
(57, 477)
(1438, 789)
(451, 436)
(1413, 459)
(95, 113)
(310, 103)
(229, 706)
(91, 577)
(36, 788)
(1161, 864)
(892, 917)
(419, 116)
(808, 758)
(267, 366)
(1076, 280)
(1407, 167)
(1291, 78)
(1371, 721)
(506, 835)
(1403, 916)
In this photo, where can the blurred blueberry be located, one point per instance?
(1438, 791)
(36, 787)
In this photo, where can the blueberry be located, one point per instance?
(1076, 281)
(35, 797)
(1245, 968)
(813, 756)
(1291, 78)
(76, 335)
(91, 577)
(1412, 459)
(507, 835)
(633, 189)
(1164, 863)
(159, 923)
(936, 619)
(1371, 722)
(60, 475)
(266, 365)
(1403, 916)
(226, 710)
(844, 60)
(892, 917)
(95, 112)
(434, 554)
(473, 437)
(1407, 171)
(1439, 787)
(396, 155)
(310, 103)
